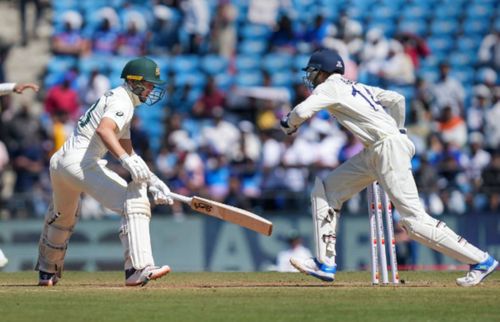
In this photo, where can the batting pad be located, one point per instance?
(135, 229)
(54, 240)
(325, 220)
(436, 235)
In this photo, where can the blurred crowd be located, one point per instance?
(233, 70)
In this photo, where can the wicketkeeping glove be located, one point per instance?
(137, 167)
(287, 128)
(160, 191)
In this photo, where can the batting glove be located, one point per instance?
(160, 191)
(137, 167)
(287, 128)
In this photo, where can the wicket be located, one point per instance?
(378, 203)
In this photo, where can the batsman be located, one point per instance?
(77, 167)
(376, 117)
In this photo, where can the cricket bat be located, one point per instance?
(225, 212)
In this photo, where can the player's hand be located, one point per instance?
(19, 88)
(160, 191)
(137, 168)
(287, 128)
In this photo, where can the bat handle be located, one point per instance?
(180, 198)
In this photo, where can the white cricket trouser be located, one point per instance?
(389, 162)
(69, 179)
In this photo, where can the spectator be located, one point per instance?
(489, 50)
(69, 41)
(264, 12)
(414, 46)
(491, 182)
(492, 126)
(165, 35)
(284, 38)
(211, 99)
(452, 127)
(222, 137)
(476, 159)
(94, 87)
(196, 24)
(448, 91)
(397, 68)
(295, 250)
(63, 99)
(105, 38)
(132, 42)
(316, 34)
(223, 32)
(476, 113)
(351, 147)
(23, 5)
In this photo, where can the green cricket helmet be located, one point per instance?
(140, 70)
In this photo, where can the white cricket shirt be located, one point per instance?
(359, 108)
(117, 104)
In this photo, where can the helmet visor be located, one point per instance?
(156, 95)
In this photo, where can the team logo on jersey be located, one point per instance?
(119, 113)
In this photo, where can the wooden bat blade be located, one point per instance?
(232, 214)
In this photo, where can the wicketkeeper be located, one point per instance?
(376, 117)
(78, 167)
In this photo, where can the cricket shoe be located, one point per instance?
(478, 272)
(141, 277)
(313, 267)
(47, 279)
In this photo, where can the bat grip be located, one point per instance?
(180, 198)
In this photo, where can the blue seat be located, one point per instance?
(440, 43)
(444, 27)
(224, 81)
(185, 63)
(252, 32)
(430, 75)
(60, 64)
(415, 12)
(282, 78)
(214, 64)
(459, 60)
(88, 64)
(465, 75)
(445, 12)
(195, 78)
(276, 61)
(469, 44)
(252, 47)
(388, 27)
(117, 63)
(382, 12)
(249, 78)
(52, 79)
(479, 10)
(473, 26)
(247, 62)
(300, 61)
(416, 26)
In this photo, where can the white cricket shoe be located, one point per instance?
(141, 277)
(313, 267)
(47, 279)
(478, 272)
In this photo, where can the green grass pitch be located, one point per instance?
(83, 296)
